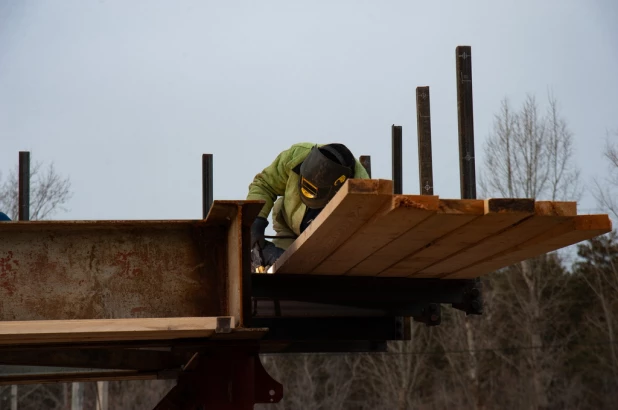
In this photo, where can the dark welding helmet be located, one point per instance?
(323, 173)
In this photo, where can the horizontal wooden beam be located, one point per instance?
(99, 330)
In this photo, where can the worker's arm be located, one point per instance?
(360, 172)
(272, 181)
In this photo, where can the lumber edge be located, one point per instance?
(102, 330)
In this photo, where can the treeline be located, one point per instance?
(546, 340)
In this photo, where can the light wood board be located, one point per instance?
(368, 231)
(101, 330)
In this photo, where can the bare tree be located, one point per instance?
(606, 189)
(530, 155)
(314, 381)
(393, 380)
(49, 192)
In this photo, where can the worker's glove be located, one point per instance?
(257, 232)
(271, 253)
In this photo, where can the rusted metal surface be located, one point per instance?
(117, 269)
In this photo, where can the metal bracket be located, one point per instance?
(431, 314)
(472, 302)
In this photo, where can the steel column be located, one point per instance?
(397, 159)
(466, 122)
(423, 124)
(207, 181)
(24, 185)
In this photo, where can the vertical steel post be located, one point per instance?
(207, 179)
(463, 58)
(397, 159)
(423, 125)
(365, 161)
(24, 186)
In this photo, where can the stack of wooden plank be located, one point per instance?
(366, 230)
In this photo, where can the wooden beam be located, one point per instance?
(573, 230)
(546, 216)
(500, 214)
(399, 215)
(97, 330)
(355, 203)
(451, 215)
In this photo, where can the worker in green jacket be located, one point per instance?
(296, 187)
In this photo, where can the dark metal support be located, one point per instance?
(423, 123)
(372, 297)
(463, 58)
(361, 291)
(365, 160)
(96, 358)
(207, 181)
(472, 302)
(397, 159)
(231, 378)
(24, 185)
(326, 329)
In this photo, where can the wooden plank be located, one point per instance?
(355, 203)
(451, 215)
(546, 216)
(499, 214)
(222, 213)
(574, 230)
(398, 216)
(97, 330)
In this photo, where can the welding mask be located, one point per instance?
(323, 172)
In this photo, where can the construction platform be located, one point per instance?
(176, 299)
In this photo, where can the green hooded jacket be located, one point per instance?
(277, 184)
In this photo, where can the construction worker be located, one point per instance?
(296, 186)
(4, 217)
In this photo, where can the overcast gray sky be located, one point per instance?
(125, 96)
